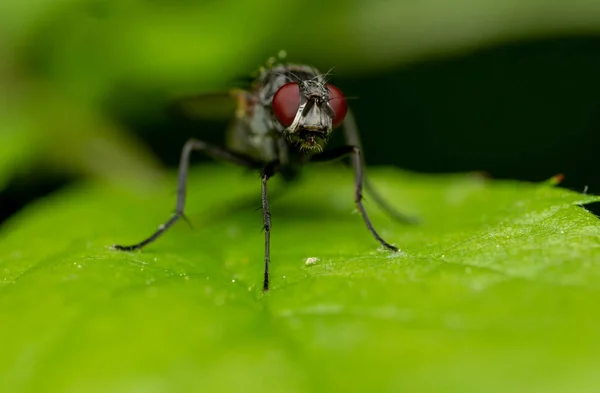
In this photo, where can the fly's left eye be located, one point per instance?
(337, 102)
(286, 102)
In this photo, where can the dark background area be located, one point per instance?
(525, 110)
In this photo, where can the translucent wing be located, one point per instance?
(212, 106)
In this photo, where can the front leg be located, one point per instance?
(267, 173)
(354, 151)
(191, 145)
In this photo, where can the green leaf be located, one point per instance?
(496, 290)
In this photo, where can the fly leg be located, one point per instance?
(267, 173)
(353, 139)
(354, 151)
(191, 145)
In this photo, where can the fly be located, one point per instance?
(283, 122)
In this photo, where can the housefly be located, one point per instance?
(283, 122)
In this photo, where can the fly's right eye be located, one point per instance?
(286, 102)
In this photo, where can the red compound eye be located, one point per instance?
(337, 101)
(286, 103)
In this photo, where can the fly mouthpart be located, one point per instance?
(311, 140)
(307, 133)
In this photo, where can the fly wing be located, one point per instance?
(212, 106)
(235, 107)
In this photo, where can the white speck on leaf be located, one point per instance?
(311, 261)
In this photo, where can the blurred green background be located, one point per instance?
(502, 86)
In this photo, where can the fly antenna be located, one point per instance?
(326, 76)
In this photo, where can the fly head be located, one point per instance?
(308, 111)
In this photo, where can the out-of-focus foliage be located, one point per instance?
(495, 291)
(64, 63)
